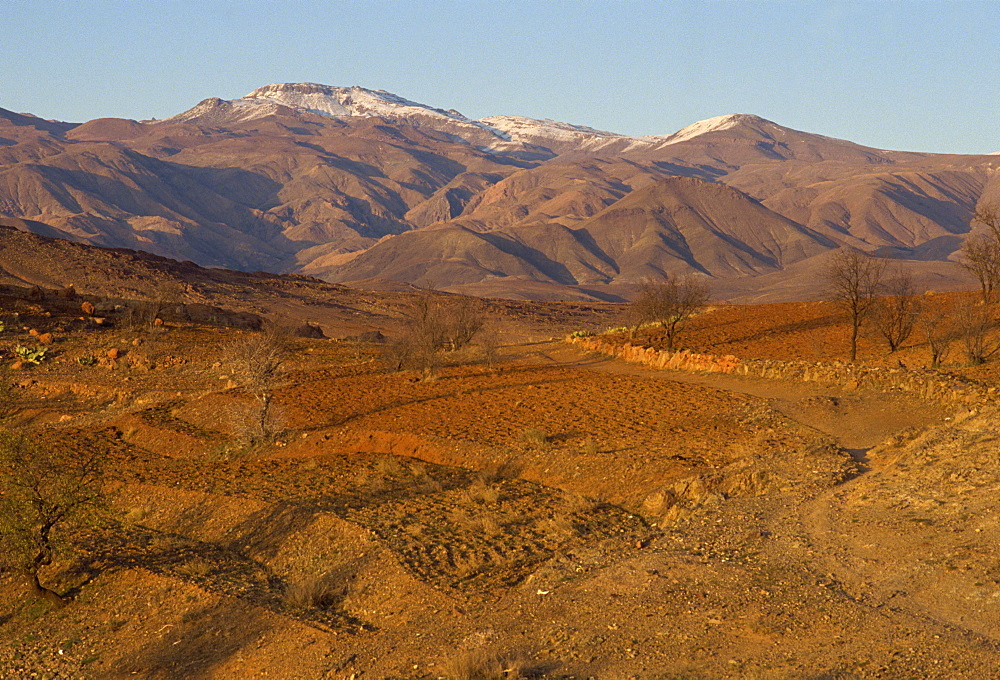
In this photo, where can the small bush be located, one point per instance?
(479, 664)
(88, 360)
(196, 567)
(497, 471)
(322, 592)
(32, 355)
(581, 334)
(535, 438)
(479, 492)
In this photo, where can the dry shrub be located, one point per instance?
(389, 467)
(497, 471)
(488, 525)
(577, 503)
(479, 492)
(255, 422)
(319, 592)
(434, 324)
(196, 567)
(480, 664)
(559, 528)
(255, 361)
(979, 324)
(534, 438)
(136, 515)
(939, 332)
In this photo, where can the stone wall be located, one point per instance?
(930, 384)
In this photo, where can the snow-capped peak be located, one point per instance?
(713, 125)
(342, 101)
(333, 102)
(494, 133)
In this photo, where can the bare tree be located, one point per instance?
(255, 362)
(981, 253)
(939, 334)
(977, 324)
(43, 490)
(854, 279)
(669, 302)
(435, 324)
(894, 315)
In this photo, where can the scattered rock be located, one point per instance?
(114, 353)
(88, 308)
(309, 330)
(46, 338)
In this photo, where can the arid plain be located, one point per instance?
(523, 507)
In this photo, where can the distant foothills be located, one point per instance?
(364, 187)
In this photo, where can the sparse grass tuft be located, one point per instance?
(497, 471)
(196, 567)
(479, 664)
(535, 438)
(323, 592)
(479, 492)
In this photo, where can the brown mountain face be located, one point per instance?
(365, 185)
(673, 225)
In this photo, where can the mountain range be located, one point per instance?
(361, 186)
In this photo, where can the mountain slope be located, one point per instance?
(672, 225)
(322, 180)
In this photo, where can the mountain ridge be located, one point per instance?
(300, 177)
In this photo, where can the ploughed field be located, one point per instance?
(545, 513)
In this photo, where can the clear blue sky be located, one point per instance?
(922, 76)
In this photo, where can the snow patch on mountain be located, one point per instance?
(522, 128)
(716, 124)
(493, 133)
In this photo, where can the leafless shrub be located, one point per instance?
(489, 345)
(669, 302)
(534, 437)
(255, 421)
(196, 567)
(978, 324)
(939, 334)
(255, 363)
(579, 504)
(139, 315)
(981, 252)
(894, 315)
(499, 470)
(486, 525)
(435, 324)
(480, 493)
(320, 592)
(854, 279)
(480, 664)
(42, 492)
